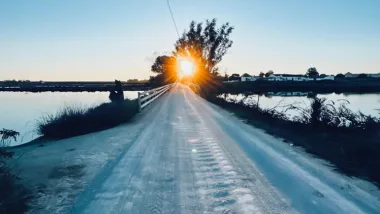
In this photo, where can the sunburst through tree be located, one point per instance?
(196, 56)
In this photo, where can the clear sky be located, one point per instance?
(107, 40)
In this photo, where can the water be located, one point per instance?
(366, 103)
(19, 111)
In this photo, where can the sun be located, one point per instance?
(185, 67)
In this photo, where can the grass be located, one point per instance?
(74, 121)
(13, 196)
(347, 139)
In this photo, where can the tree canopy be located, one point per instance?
(165, 67)
(270, 72)
(163, 64)
(312, 72)
(205, 43)
(234, 77)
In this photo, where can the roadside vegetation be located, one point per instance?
(13, 196)
(349, 140)
(75, 120)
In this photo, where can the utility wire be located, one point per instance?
(171, 13)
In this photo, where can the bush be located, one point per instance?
(6, 136)
(12, 195)
(322, 114)
(347, 139)
(74, 121)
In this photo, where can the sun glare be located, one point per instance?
(185, 67)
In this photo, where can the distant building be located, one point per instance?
(295, 77)
(374, 75)
(288, 77)
(246, 77)
(331, 77)
(350, 75)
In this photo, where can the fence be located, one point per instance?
(146, 97)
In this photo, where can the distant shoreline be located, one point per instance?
(335, 86)
(71, 89)
(69, 86)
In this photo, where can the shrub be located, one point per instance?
(334, 132)
(6, 137)
(73, 121)
(320, 112)
(12, 195)
(323, 114)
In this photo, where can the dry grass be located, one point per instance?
(348, 139)
(73, 121)
(13, 196)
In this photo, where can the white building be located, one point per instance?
(247, 77)
(288, 77)
(299, 78)
(253, 78)
(330, 77)
(351, 75)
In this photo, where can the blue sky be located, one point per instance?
(107, 40)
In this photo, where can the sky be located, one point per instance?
(107, 40)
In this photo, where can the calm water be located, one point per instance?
(19, 110)
(366, 103)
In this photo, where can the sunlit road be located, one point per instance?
(193, 157)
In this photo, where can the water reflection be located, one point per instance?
(289, 94)
(19, 110)
(366, 103)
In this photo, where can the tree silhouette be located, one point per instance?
(234, 77)
(261, 75)
(312, 72)
(206, 44)
(270, 72)
(163, 64)
(339, 76)
(165, 67)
